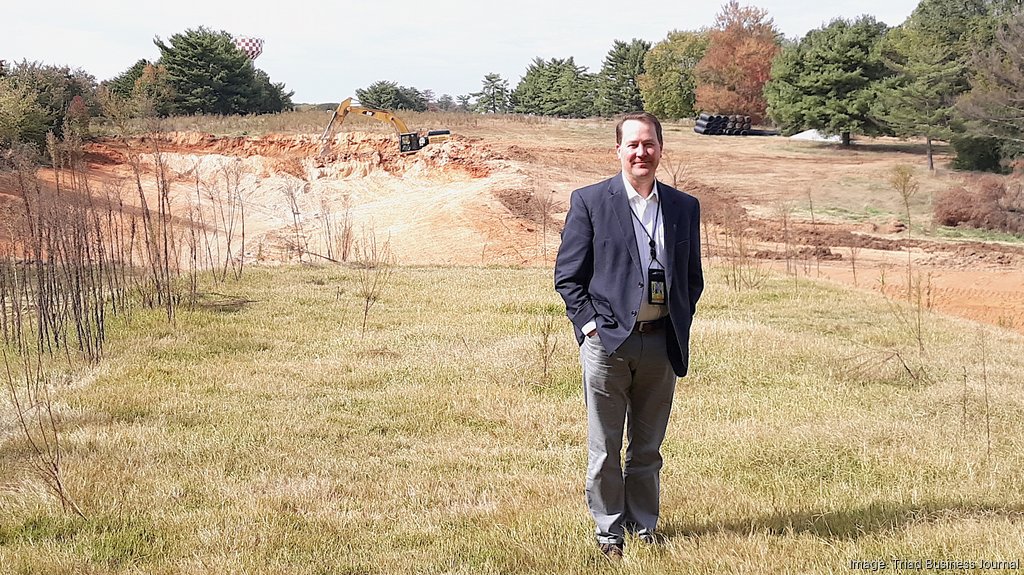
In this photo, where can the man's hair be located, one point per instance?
(644, 117)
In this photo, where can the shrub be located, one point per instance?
(980, 154)
(994, 203)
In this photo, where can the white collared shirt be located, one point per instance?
(646, 211)
(648, 222)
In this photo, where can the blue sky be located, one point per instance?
(324, 50)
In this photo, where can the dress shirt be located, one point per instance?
(648, 223)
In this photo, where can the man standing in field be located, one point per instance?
(629, 271)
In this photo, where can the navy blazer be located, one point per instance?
(598, 269)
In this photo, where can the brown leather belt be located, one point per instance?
(649, 326)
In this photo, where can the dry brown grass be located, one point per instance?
(273, 438)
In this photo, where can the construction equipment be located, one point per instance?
(408, 141)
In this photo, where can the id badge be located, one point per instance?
(656, 286)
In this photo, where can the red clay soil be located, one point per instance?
(474, 202)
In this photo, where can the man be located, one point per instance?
(629, 271)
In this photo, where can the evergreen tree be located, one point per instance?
(617, 89)
(556, 88)
(124, 83)
(918, 101)
(428, 98)
(994, 105)
(208, 74)
(668, 85)
(929, 55)
(828, 81)
(493, 98)
(270, 97)
(446, 103)
(22, 119)
(386, 95)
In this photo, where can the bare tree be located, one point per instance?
(346, 237)
(547, 344)
(29, 394)
(291, 193)
(854, 253)
(544, 205)
(675, 171)
(227, 193)
(905, 183)
(376, 264)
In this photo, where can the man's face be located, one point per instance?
(639, 151)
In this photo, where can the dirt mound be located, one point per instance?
(350, 154)
(717, 207)
(971, 255)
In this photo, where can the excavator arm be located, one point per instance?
(408, 141)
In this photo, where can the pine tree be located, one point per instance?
(829, 80)
(386, 95)
(617, 89)
(208, 74)
(493, 98)
(993, 104)
(556, 88)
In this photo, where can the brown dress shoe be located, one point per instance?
(613, 551)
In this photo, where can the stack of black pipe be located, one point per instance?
(728, 125)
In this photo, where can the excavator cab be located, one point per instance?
(412, 142)
(409, 143)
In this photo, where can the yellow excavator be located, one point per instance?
(408, 141)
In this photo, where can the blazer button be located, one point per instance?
(632, 313)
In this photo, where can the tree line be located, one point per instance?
(953, 71)
(199, 71)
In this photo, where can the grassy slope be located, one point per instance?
(276, 439)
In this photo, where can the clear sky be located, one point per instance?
(323, 50)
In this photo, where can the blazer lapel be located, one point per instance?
(620, 205)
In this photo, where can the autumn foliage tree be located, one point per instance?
(668, 85)
(738, 62)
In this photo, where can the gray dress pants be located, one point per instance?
(631, 388)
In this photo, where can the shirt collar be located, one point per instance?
(633, 196)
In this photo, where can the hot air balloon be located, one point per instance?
(252, 47)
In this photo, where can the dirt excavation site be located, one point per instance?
(497, 192)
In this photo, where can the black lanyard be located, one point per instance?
(650, 237)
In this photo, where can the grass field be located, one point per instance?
(276, 437)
